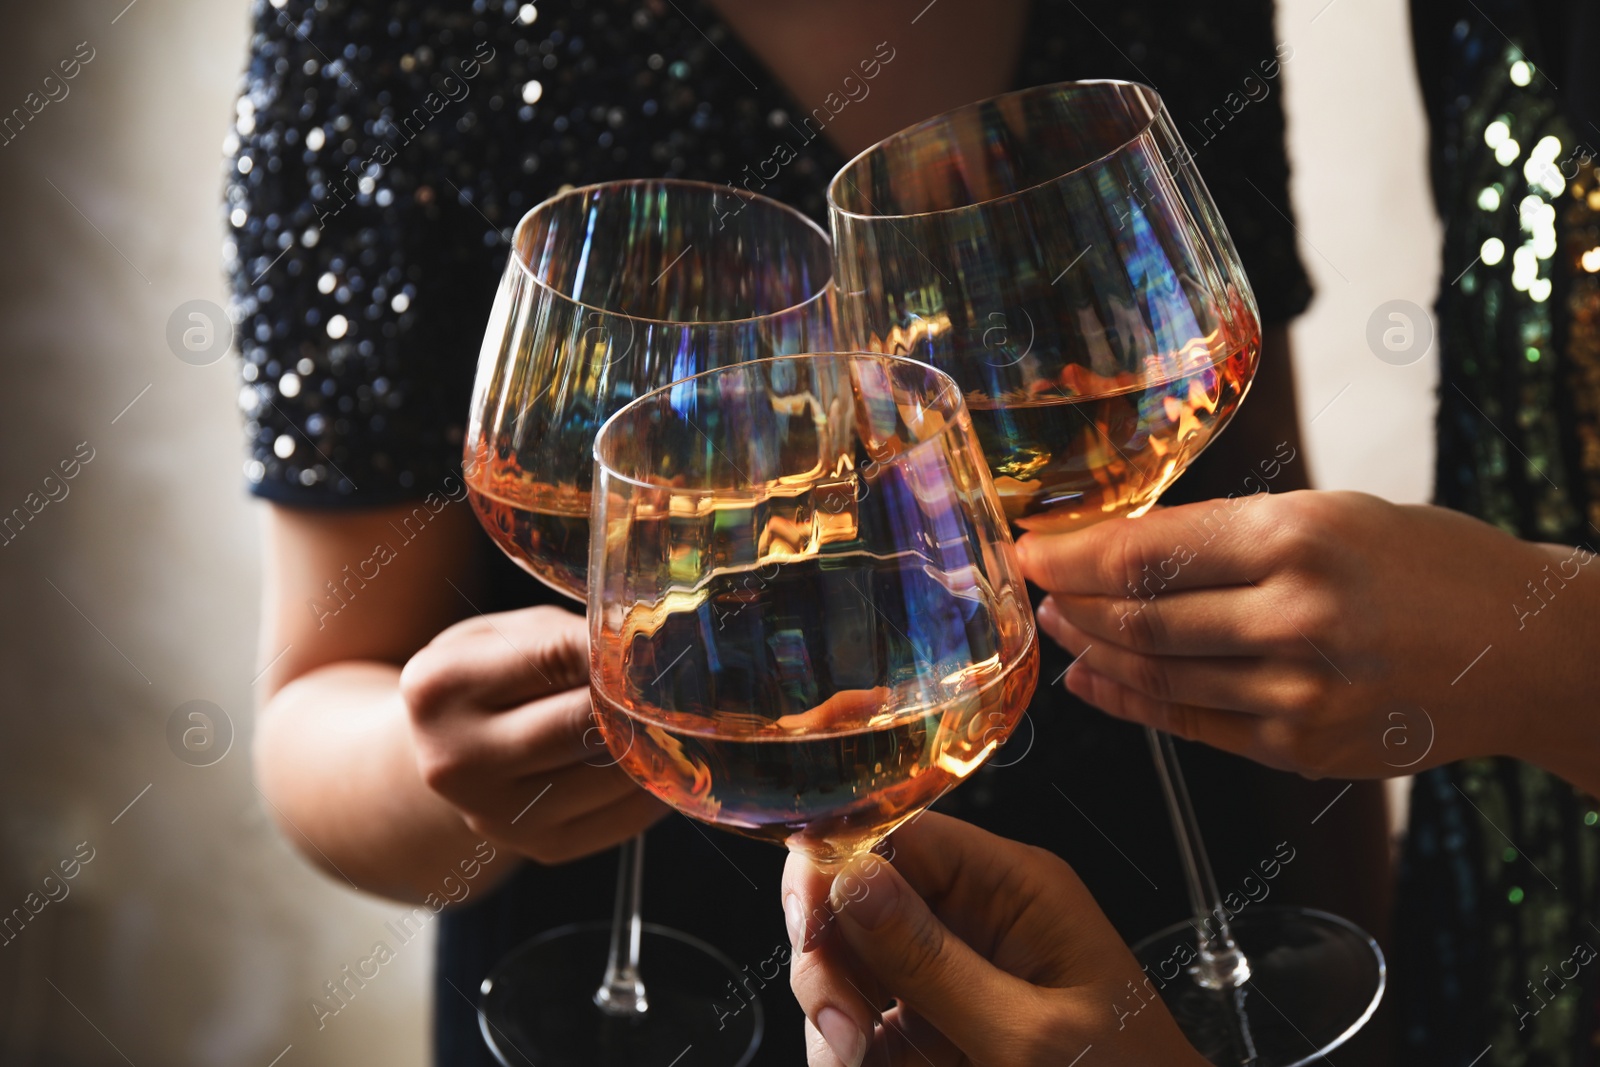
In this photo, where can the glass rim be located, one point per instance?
(1043, 90)
(950, 385)
(709, 187)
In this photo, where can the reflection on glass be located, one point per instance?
(1042, 249)
(611, 291)
(806, 618)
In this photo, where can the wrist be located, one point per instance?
(1547, 712)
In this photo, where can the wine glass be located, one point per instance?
(1055, 251)
(806, 616)
(611, 291)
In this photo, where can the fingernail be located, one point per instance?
(794, 917)
(1048, 614)
(847, 1042)
(864, 892)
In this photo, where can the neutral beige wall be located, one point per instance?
(194, 936)
(1358, 144)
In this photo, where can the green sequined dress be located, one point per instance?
(1498, 927)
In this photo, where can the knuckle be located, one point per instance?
(465, 630)
(1299, 534)
(1307, 754)
(810, 980)
(1123, 566)
(547, 621)
(557, 641)
(1043, 863)
(1305, 696)
(581, 719)
(1181, 721)
(484, 828)
(426, 684)
(441, 771)
(922, 949)
(800, 976)
(552, 618)
(1143, 627)
(1277, 743)
(1151, 678)
(1320, 618)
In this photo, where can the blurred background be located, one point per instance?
(193, 935)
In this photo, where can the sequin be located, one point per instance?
(1481, 925)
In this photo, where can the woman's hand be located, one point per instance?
(502, 728)
(1332, 633)
(994, 952)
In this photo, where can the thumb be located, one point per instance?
(913, 955)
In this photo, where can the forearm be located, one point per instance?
(334, 761)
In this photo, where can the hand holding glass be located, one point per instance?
(1055, 251)
(610, 291)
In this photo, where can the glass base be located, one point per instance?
(1315, 981)
(538, 1009)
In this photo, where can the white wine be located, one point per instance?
(543, 528)
(1067, 456)
(819, 704)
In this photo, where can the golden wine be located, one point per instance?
(1068, 453)
(544, 528)
(818, 703)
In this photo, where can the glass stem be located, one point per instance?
(1221, 965)
(621, 991)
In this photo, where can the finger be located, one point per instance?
(545, 800)
(1227, 730)
(1022, 907)
(822, 978)
(597, 831)
(903, 1040)
(839, 996)
(500, 660)
(965, 874)
(555, 731)
(899, 941)
(844, 1036)
(470, 751)
(906, 1038)
(1249, 685)
(1215, 542)
(1198, 622)
(841, 1000)
(805, 902)
(818, 1054)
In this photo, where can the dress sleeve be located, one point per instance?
(352, 276)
